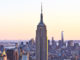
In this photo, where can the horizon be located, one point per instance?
(19, 19)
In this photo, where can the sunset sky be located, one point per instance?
(19, 18)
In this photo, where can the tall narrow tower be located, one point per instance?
(41, 40)
(62, 37)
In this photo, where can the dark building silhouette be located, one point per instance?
(41, 40)
(54, 45)
(70, 43)
(48, 42)
(62, 37)
(61, 42)
(31, 42)
(12, 54)
(21, 53)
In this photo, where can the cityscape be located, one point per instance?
(40, 47)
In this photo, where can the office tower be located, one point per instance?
(21, 53)
(12, 54)
(62, 37)
(1, 55)
(41, 40)
(31, 42)
(4, 55)
(22, 44)
(60, 43)
(70, 43)
(76, 45)
(54, 44)
(16, 54)
(16, 45)
(25, 56)
(1, 47)
(49, 43)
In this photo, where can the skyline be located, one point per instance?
(19, 19)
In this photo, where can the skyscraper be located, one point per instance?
(12, 54)
(41, 40)
(62, 37)
(4, 55)
(25, 56)
(61, 42)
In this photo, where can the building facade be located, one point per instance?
(41, 40)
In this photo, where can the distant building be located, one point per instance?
(21, 53)
(16, 55)
(48, 42)
(31, 42)
(21, 45)
(70, 43)
(1, 58)
(76, 45)
(54, 44)
(12, 54)
(32, 56)
(25, 56)
(4, 55)
(60, 43)
(49, 45)
(1, 47)
(62, 37)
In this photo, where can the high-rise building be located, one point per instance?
(21, 53)
(25, 56)
(61, 42)
(54, 44)
(16, 54)
(1, 55)
(62, 37)
(41, 40)
(4, 55)
(12, 54)
(70, 43)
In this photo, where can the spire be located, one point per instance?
(41, 7)
(41, 16)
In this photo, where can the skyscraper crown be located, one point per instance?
(41, 17)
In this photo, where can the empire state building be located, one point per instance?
(41, 40)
